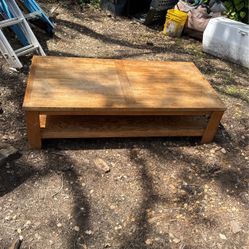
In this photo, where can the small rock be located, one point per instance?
(76, 228)
(59, 225)
(212, 151)
(19, 230)
(88, 232)
(37, 236)
(148, 242)
(27, 223)
(112, 207)
(118, 227)
(235, 226)
(223, 236)
(171, 235)
(223, 151)
(107, 245)
(102, 165)
(176, 240)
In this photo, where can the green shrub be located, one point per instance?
(238, 10)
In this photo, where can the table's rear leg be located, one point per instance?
(212, 126)
(33, 129)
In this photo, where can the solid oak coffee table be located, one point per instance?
(83, 98)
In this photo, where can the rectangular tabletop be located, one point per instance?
(82, 84)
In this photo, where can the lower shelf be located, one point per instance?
(57, 126)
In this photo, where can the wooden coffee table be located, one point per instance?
(82, 98)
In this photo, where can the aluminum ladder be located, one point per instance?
(21, 27)
(33, 7)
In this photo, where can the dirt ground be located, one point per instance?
(159, 193)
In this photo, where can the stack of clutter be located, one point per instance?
(192, 17)
(221, 37)
(148, 12)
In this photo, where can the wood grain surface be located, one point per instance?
(120, 126)
(105, 85)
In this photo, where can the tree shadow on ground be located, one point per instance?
(82, 29)
(81, 205)
(117, 143)
(17, 173)
(232, 181)
(120, 56)
(149, 198)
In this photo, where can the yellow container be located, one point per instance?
(175, 21)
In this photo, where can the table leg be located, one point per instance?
(212, 126)
(33, 129)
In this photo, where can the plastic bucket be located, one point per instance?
(175, 21)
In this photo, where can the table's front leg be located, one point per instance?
(212, 126)
(33, 129)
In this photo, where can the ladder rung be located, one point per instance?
(25, 50)
(33, 15)
(10, 22)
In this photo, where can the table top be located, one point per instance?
(84, 84)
